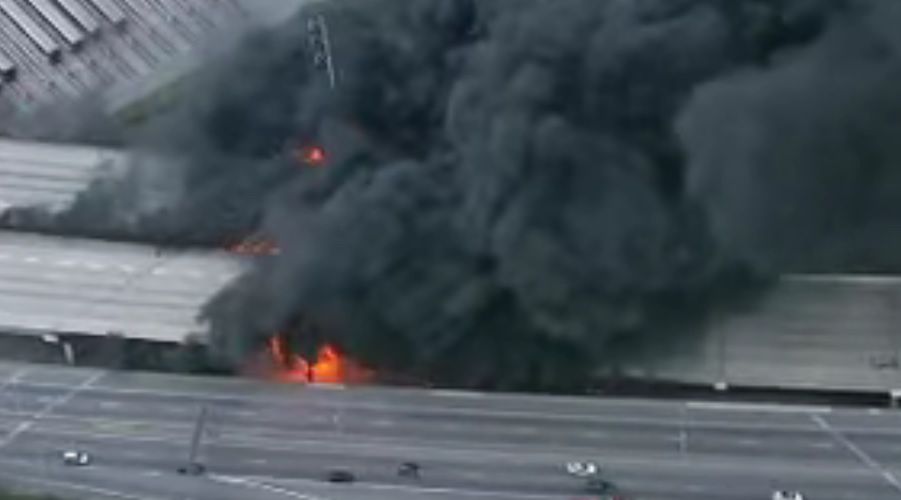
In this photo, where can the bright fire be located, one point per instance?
(330, 367)
(313, 156)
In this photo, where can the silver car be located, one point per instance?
(76, 458)
(582, 469)
(787, 495)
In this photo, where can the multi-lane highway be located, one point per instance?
(273, 441)
(52, 284)
(52, 175)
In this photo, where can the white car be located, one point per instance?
(582, 469)
(75, 457)
(787, 495)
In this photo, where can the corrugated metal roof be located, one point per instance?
(158, 41)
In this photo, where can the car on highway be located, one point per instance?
(340, 476)
(192, 469)
(599, 486)
(582, 469)
(787, 495)
(409, 469)
(76, 458)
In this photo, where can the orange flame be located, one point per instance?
(330, 367)
(255, 247)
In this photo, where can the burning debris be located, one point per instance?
(516, 189)
(255, 246)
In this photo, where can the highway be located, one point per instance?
(52, 284)
(277, 441)
(52, 175)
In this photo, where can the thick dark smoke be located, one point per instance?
(517, 189)
(798, 160)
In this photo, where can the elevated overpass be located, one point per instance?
(813, 332)
(66, 285)
(827, 331)
(52, 175)
(836, 332)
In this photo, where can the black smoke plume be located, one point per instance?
(517, 190)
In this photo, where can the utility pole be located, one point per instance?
(193, 466)
(321, 45)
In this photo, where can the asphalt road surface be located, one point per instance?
(268, 441)
(78, 285)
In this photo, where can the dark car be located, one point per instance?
(192, 469)
(409, 469)
(599, 486)
(340, 476)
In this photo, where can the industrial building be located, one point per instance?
(122, 50)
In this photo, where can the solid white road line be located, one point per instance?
(70, 485)
(857, 451)
(49, 407)
(449, 393)
(456, 492)
(252, 484)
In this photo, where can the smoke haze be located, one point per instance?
(515, 188)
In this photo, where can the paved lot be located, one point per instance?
(275, 441)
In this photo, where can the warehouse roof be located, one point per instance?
(55, 50)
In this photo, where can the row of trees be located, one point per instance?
(8, 495)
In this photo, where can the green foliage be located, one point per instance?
(9, 495)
